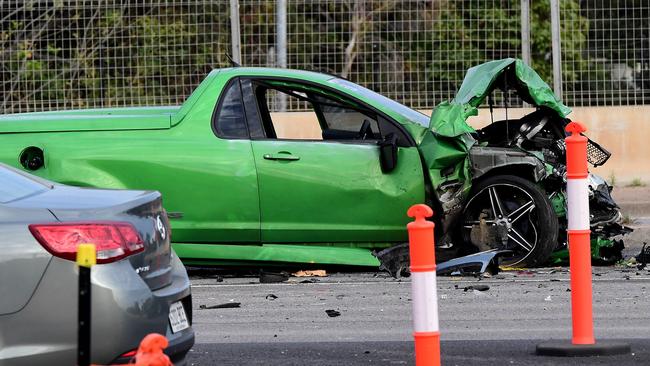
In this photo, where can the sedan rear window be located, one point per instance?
(15, 185)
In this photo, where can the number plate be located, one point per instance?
(177, 317)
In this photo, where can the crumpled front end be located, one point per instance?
(457, 157)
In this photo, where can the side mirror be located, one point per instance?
(388, 153)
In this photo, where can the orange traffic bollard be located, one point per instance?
(579, 235)
(583, 342)
(150, 352)
(423, 287)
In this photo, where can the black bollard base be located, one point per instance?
(567, 349)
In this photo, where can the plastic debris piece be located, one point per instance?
(270, 277)
(526, 273)
(548, 298)
(332, 313)
(476, 288)
(473, 264)
(271, 297)
(311, 273)
(644, 257)
(227, 305)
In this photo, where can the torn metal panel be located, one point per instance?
(477, 263)
(485, 159)
(395, 261)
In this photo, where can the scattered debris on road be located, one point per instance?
(270, 277)
(473, 264)
(486, 262)
(644, 257)
(332, 313)
(311, 273)
(476, 288)
(228, 305)
(311, 280)
(271, 297)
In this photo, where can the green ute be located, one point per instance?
(242, 181)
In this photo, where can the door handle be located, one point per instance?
(281, 156)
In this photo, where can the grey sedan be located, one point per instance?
(139, 285)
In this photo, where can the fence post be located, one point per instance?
(583, 342)
(525, 31)
(281, 45)
(235, 33)
(556, 49)
(86, 258)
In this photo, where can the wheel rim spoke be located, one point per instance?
(497, 210)
(520, 240)
(521, 211)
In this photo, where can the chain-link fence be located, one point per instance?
(95, 53)
(606, 52)
(411, 50)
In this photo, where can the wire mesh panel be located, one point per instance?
(99, 53)
(606, 52)
(102, 53)
(416, 52)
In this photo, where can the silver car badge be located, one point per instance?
(161, 227)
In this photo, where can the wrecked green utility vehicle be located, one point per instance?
(332, 184)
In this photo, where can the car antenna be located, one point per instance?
(233, 63)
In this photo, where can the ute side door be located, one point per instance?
(319, 175)
(214, 177)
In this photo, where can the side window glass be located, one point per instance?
(229, 121)
(302, 124)
(347, 119)
(316, 115)
(345, 123)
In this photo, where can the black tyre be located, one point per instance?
(509, 212)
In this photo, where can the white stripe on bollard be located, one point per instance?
(578, 203)
(425, 301)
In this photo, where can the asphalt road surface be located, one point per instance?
(287, 323)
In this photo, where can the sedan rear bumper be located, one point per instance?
(124, 310)
(177, 349)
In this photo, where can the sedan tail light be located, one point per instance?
(113, 240)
